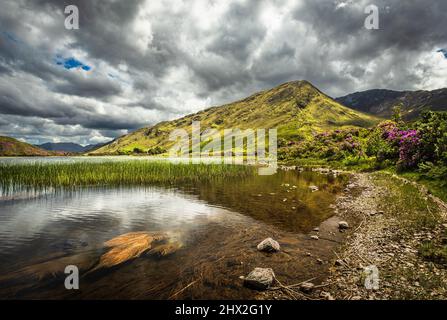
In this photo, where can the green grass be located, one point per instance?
(113, 173)
(404, 201)
(437, 187)
(434, 252)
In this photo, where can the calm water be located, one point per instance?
(216, 224)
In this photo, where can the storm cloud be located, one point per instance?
(135, 63)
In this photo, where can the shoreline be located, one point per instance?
(384, 232)
(388, 242)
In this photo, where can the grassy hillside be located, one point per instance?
(13, 147)
(297, 109)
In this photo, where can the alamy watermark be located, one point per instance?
(72, 278)
(229, 146)
(372, 20)
(372, 277)
(72, 20)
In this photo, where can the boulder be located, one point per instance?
(259, 279)
(269, 245)
(313, 188)
(314, 237)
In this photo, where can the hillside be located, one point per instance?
(296, 109)
(13, 147)
(380, 102)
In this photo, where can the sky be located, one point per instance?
(135, 63)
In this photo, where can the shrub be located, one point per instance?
(156, 151)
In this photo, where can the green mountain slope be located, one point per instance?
(296, 109)
(12, 147)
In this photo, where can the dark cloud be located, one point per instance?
(157, 60)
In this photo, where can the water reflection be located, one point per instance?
(217, 222)
(92, 216)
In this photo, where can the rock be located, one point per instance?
(259, 279)
(320, 261)
(269, 245)
(127, 247)
(342, 225)
(166, 249)
(339, 262)
(316, 229)
(326, 295)
(232, 263)
(314, 237)
(313, 188)
(307, 287)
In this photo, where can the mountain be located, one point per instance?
(92, 147)
(380, 102)
(12, 147)
(69, 147)
(296, 109)
(62, 147)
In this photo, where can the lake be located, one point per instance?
(212, 228)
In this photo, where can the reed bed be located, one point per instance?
(113, 173)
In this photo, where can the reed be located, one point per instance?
(113, 173)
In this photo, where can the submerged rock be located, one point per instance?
(51, 268)
(269, 245)
(166, 249)
(127, 247)
(259, 279)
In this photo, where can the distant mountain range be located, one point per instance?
(380, 102)
(69, 147)
(297, 109)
